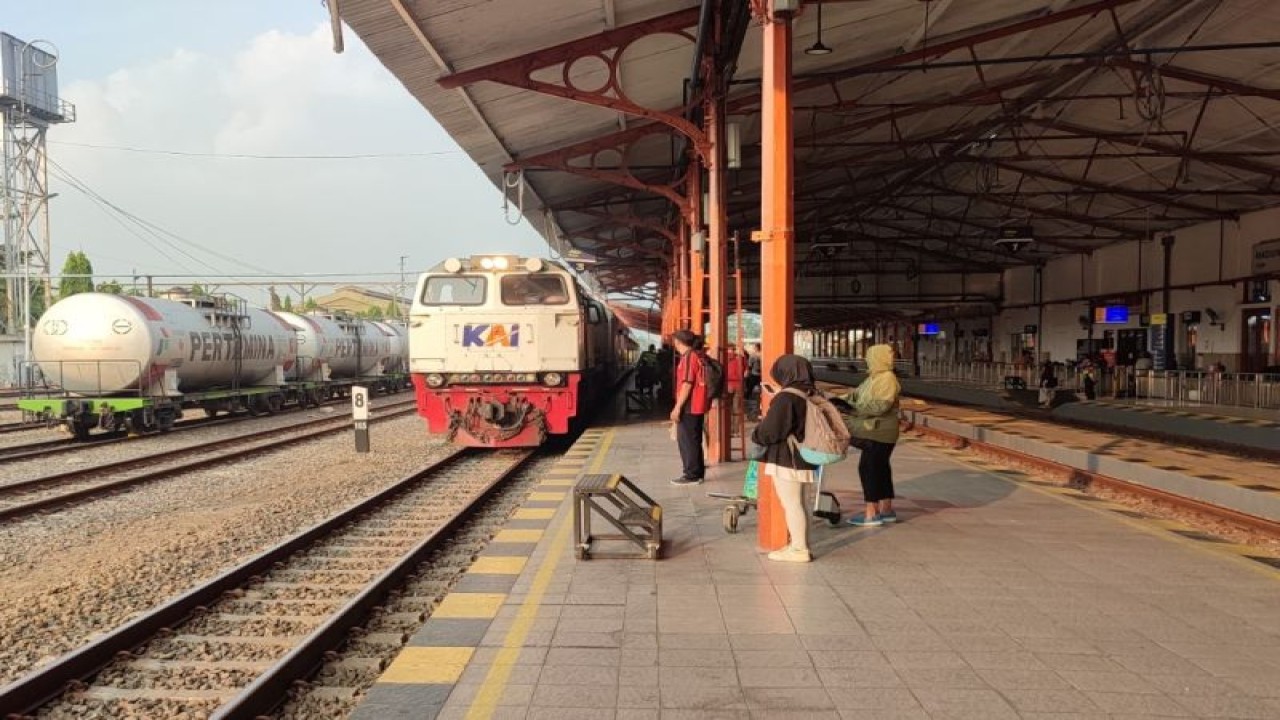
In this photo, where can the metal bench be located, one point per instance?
(620, 503)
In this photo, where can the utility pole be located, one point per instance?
(24, 178)
(404, 311)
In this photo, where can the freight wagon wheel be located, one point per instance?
(80, 430)
(275, 404)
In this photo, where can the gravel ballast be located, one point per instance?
(67, 576)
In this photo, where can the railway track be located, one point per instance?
(45, 448)
(26, 497)
(233, 646)
(7, 428)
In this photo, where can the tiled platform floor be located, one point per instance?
(990, 600)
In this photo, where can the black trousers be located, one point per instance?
(875, 473)
(689, 439)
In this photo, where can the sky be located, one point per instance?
(247, 77)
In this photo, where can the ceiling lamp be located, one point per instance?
(818, 48)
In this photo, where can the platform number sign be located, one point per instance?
(360, 415)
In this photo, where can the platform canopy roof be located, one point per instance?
(930, 129)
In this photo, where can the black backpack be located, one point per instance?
(713, 377)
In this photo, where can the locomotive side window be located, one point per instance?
(454, 290)
(534, 289)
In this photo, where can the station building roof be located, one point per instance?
(931, 129)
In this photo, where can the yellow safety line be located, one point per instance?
(495, 681)
(1145, 525)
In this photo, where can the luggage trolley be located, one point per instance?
(825, 505)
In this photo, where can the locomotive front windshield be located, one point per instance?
(534, 289)
(454, 290)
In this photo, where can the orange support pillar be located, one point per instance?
(697, 253)
(685, 284)
(777, 232)
(718, 270)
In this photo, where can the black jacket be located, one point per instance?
(785, 418)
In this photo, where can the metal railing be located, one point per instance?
(89, 378)
(1178, 388)
(1191, 388)
(994, 374)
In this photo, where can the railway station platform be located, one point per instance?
(1226, 426)
(998, 596)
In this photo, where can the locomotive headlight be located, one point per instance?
(435, 380)
(551, 379)
(500, 263)
(453, 265)
(486, 263)
(533, 265)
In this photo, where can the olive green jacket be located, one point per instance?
(872, 418)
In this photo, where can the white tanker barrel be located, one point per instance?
(370, 347)
(318, 345)
(95, 343)
(398, 354)
(391, 346)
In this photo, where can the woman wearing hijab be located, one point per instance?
(790, 473)
(874, 427)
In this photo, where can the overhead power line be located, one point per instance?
(252, 156)
(133, 224)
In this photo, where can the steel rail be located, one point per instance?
(25, 509)
(42, 686)
(270, 689)
(19, 453)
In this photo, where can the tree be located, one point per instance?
(287, 304)
(393, 310)
(275, 300)
(112, 287)
(38, 305)
(77, 263)
(310, 305)
(373, 313)
(197, 290)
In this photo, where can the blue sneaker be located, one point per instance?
(864, 521)
(889, 517)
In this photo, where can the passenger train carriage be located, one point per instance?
(505, 351)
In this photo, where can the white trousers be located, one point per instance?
(791, 495)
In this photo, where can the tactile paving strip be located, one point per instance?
(433, 662)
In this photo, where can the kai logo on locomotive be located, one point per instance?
(491, 335)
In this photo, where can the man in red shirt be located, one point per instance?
(691, 406)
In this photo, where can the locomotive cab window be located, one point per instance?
(454, 290)
(534, 289)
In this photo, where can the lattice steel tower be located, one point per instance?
(29, 104)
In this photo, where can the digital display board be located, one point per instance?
(1111, 315)
(927, 329)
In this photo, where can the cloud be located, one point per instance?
(280, 94)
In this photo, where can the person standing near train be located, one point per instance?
(691, 407)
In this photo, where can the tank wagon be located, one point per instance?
(123, 362)
(505, 351)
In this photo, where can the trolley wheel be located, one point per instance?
(730, 519)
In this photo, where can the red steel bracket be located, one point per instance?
(608, 48)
